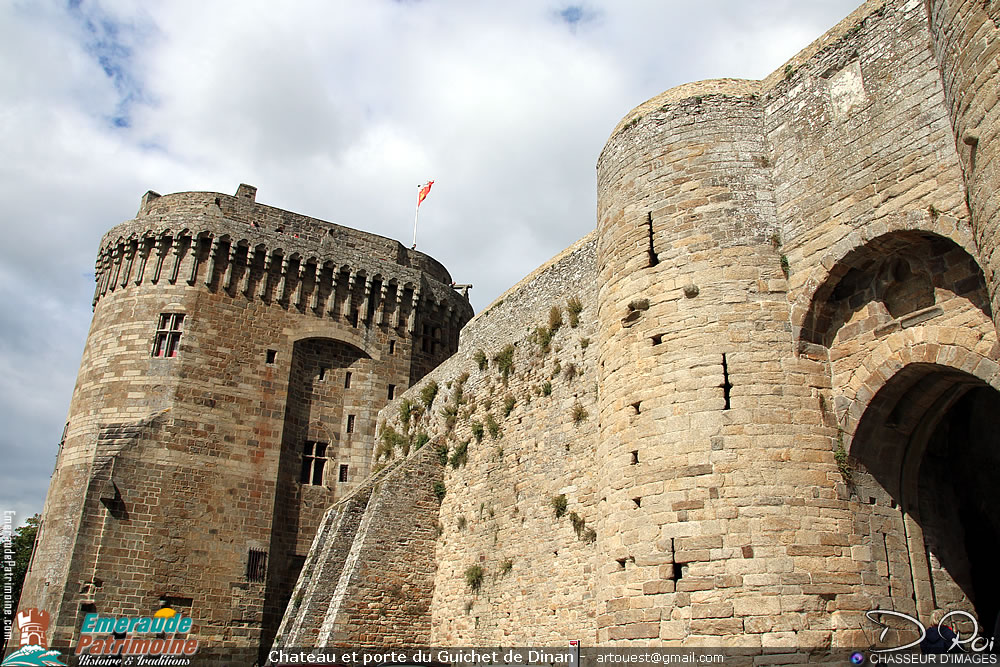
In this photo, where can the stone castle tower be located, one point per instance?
(759, 400)
(227, 396)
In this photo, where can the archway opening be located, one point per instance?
(928, 445)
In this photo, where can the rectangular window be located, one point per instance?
(350, 423)
(392, 347)
(256, 565)
(342, 477)
(313, 462)
(392, 391)
(271, 356)
(347, 380)
(168, 335)
(322, 372)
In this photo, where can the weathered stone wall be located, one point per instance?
(369, 579)
(174, 469)
(511, 430)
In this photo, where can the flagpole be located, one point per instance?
(415, 214)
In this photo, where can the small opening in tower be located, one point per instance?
(322, 372)
(635, 457)
(653, 259)
(271, 356)
(256, 565)
(347, 380)
(88, 608)
(679, 571)
(392, 347)
(726, 385)
(657, 339)
(342, 473)
(637, 502)
(637, 407)
(350, 423)
(621, 563)
(392, 391)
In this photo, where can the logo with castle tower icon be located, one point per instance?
(32, 625)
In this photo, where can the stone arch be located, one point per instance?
(924, 449)
(943, 347)
(858, 247)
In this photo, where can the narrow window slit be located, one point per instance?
(621, 563)
(637, 501)
(271, 356)
(635, 457)
(322, 372)
(657, 339)
(653, 259)
(637, 407)
(726, 385)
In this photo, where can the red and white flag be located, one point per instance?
(424, 191)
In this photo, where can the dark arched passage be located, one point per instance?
(928, 444)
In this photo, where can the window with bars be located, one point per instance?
(168, 335)
(342, 477)
(256, 565)
(313, 462)
(350, 423)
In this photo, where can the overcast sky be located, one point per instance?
(333, 109)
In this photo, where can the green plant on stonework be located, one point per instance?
(573, 308)
(477, 430)
(584, 343)
(775, 240)
(440, 490)
(840, 456)
(559, 504)
(579, 413)
(556, 368)
(547, 388)
(504, 361)
(391, 440)
(542, 336)
(405, 412)
(463, 378)
(461, 523)
(789, 71)
(468, 606)
(555, 318)
(492, 426)
(785, 266)
(428, 392)
(450, 414)
(934, 213)
(481, 360)
(442, 454)
(589, 536)
(488, 403)
(579, 523)
(460, 455)
(508, 405)
(420, 439)
(505, 567)
(474, 577)
(570, 372)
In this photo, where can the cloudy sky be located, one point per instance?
(333, 109)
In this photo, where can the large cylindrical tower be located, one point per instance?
(966, 40)
(235, 364)
(700, 452)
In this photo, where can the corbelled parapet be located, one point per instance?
(231, 243)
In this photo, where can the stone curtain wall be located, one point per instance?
(507, 453)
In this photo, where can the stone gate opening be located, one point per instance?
(927, 449)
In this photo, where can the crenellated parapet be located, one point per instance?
(248, 250)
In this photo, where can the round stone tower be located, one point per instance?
(227, 396)
(695, 404)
